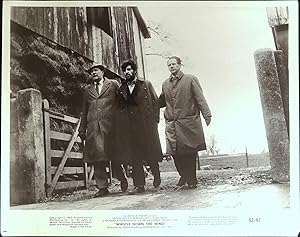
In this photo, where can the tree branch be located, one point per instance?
(157, 54)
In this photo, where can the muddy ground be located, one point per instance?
(216, 188)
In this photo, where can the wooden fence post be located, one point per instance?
(47, 147)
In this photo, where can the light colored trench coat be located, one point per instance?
(184, 100)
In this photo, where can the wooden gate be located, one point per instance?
(64, 153)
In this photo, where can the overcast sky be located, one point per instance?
(217, 45)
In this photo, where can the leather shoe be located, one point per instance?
(157, 180)
(181, 181)
(124, 185)
(138, 190)
(192, 186)
(102, 192)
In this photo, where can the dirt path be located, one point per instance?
(216, 189)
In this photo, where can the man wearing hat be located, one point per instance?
(136, 126)
(98, 111)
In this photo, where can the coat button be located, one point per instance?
(146, 97)
(98, 109)
(131, 112)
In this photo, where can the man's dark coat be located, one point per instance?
(98, 113)
(137, 117)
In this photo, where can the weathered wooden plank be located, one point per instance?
(20, 16)
(80, 30)
(39, 20)
(84, 33)
(114, 36)
(72, 184)
(14, 14)
(69, 184)
(63, 136)
(120, 13)
(59, 154)
(70, 170)
(91, 174)
(138, 47)
(143, 56)
(64, 26)
(65, 157)
(107, 49)
(55, 25)
(76, 30)
(90, 34)
(109, 171)
(30, 18)
(67, 27)
(129, 25)
(277, 16)
(64, 36)
(63, 117)
(48, 23)
(47, 147)
(59, 29)
(73, 40)
(97, 45)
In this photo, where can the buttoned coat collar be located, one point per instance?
(178, 76)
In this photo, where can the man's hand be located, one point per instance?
(207, 120)
(82, 135)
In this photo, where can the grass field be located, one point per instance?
(238, 161)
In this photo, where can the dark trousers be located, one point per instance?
(138, 173)
(101, 175)
(186, 167)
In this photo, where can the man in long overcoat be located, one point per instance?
(98, 111)
(137, 138)
(184, 100)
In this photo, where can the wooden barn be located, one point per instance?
(106, 35)
(50, 50)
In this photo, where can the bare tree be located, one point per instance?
(212, 147)
(161, 41)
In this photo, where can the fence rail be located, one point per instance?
(57, 171)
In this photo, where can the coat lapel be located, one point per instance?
(106, 84)
(92, 91)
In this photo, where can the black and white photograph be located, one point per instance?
(150, 118)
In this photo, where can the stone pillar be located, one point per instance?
(283, 76)
(278, 19)
(14, 151)
(28, 166)
(273, 113)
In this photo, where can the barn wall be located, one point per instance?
(72, 28)
(66, 26)
(138, 47)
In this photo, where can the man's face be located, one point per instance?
(129, 73)
(173, 66)
(97, 74)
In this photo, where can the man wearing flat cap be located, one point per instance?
(98, 111)
(136, 126)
